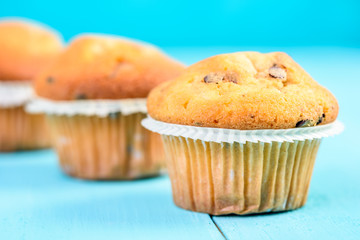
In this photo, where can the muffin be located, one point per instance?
(25, 48)
(241, 132)
(94, 96)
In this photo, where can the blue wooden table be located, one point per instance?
(37, 201)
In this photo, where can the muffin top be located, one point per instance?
(25, 48)
(105, 67)
(244, 90)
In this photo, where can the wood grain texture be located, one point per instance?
(333, 207)
(39, 202)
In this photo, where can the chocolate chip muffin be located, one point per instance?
(95, 96)
(103, 67)
(246, 90)
(241, 132)
(25, 48)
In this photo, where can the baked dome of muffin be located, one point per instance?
(244, 90)
(105, 67)
(25, 48)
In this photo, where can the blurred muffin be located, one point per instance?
(25, 48)
(100, 82)
(220, 158)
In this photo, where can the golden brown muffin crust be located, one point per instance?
(244, 90)
(25, 48)
(104, 67)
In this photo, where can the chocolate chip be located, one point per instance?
(214, 77)
(217, 77)
(50, 79)
(319, 121)
(277, 71)
(303, 123)
(80, 96)
(230, 77)
(321, 118)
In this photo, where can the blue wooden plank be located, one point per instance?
(332, 210)
(38, 202)
(333, 207)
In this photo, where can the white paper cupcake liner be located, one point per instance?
(101, 108)
(242, 136)
(15, 93)
(114, 147)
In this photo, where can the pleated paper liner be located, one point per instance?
(19, 130)
(100, 108)
(15, 93)
(22, 131)
(222, 171)
(103, 139)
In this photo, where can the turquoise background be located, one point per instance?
(203, 23)
(37, 201)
